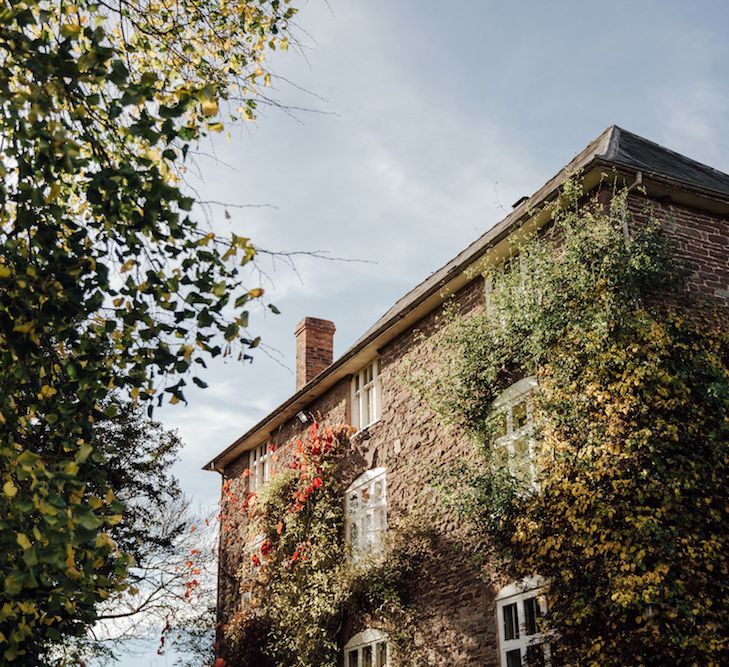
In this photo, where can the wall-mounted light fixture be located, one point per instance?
(303, 418)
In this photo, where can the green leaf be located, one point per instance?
(14, 583)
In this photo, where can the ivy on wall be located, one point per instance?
(630, 520)
(299, 588)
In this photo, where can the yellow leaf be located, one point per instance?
(210, 107)
(128, 265)
(5, 272)
(54, 192)
(23, 540)
(71, 30)
(23, 328)
(47, 391)
(256, 292)
(9, 489)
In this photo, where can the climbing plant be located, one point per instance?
(629, 521)
(297, 582)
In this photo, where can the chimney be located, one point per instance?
(314, 348)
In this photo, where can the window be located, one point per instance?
(260, 467)
(366, 390)
(365, 513)
(518, 608)
(513, 445)
(367, 649)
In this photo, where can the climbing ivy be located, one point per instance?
(629, 524)
(298, 585)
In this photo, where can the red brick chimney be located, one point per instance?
(314, 348)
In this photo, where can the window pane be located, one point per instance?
(519, 415)
(367, 406)
(352, 661)
(353, 503)
(522, 458)
(531, 611)
(511, 622)
(381, 654)
(353, 535)
(500, 427)
(513, 658)
(501, 457)
(367, 657)
(366, 527)
(378, 490)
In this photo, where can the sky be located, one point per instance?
(413, 127)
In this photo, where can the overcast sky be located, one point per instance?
(429, 119)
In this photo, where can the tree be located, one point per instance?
(628, 524)
(170, 591)
(110, 289)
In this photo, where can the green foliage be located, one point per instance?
(629, 524)
(109, 289)
(299, 583)
(139, 454)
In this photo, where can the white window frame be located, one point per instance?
(519, 392)
(358, 645)
(514, 598)
(259, 466)
(365, 514)
(366, 396)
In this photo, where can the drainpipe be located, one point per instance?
(638, 181)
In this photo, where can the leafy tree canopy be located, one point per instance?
(109, 288)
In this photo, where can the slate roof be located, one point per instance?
(613, 148)
(631, 150)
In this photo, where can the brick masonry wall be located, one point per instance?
(700, 238)
(456, 606)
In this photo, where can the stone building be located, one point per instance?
(398, 442)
